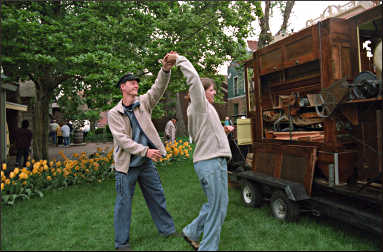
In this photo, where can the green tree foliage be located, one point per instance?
(69, 46)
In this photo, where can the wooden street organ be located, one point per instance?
(314, 100)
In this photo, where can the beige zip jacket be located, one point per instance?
(121, 129)
(204, 125)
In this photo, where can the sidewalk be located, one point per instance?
(53, 151)
(89, 148)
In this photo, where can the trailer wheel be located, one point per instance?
(251, 194)
(282, 208)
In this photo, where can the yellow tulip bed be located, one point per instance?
(179, 150)
(42, 175)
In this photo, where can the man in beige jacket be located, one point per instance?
(136, 145)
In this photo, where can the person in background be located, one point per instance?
(136, 145)
(59, 134)
(228, 122)
(170, 130)
(85, 131)
(210, 158)
(66, 134)
(53, 131)
(70, 124)
(23, 143)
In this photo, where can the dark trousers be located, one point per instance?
(22, 152)
(59, 140)
(85, 133)
(53, 136)
(149, 180)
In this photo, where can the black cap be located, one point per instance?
(127, 77)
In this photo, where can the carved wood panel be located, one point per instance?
(290, 162)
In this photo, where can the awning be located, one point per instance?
(16, 106)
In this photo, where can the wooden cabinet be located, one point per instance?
(295, 80)
(294, 50)
(303, 49)
(328, 42)
(302, 64)
(305, 62)
(271, 60)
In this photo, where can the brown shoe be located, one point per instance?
(194, 244)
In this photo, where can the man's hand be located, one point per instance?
(169, 60)
(153, 154)
(228, 129)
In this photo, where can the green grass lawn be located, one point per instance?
(80, 217)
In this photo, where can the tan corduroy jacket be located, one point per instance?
(204, 125)
(121, 129)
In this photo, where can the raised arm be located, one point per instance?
(196, 91)
(151, 98)
(154, 94)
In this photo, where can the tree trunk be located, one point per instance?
(40, 124)
(286, 15)
(93, 125)
(265, 36)
(181, 115)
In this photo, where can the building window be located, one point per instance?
(235, 108)
(236, 88)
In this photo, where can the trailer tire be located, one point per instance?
(282, 208)
(251, 194)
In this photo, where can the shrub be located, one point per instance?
(99, 131)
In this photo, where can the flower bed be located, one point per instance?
(179, 150)
(42, 175)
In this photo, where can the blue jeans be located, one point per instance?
(212, 174)
(66, 141)
(150, 184)
(53, 136)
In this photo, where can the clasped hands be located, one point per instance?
(169, 60)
